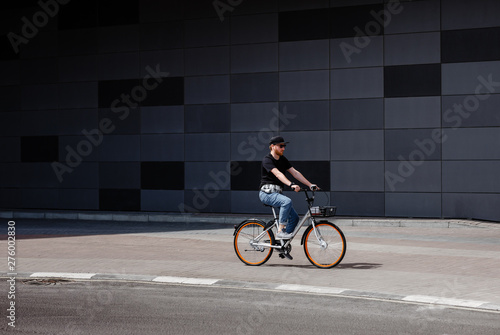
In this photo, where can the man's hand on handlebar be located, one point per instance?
(314, 187)
(296, 188)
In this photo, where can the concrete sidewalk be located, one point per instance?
(411, 260)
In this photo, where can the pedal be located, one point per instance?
(287, 255)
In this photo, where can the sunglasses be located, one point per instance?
(281, 145)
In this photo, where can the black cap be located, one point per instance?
(277, 139)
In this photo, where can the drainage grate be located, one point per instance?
(48, 281)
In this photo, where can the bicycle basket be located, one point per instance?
(325, 211)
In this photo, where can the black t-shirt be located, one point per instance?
(269, 163)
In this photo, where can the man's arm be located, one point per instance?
(297, 175)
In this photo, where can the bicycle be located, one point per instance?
(324, 243)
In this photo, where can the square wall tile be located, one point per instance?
(357, 114)
(303, 85)
(207, 147)
(357, 145)
(419, 112)
(357, 83)
(207, 118)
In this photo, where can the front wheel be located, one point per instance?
(245, 239)
(326, 246)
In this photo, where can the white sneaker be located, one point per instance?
(284, 236)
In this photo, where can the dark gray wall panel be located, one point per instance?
(304, 55)
(40, 198)
(205, 61)
(304, 85)
(118, 39)
(10, 97)
(162, 175)
(38, 71)
(413, 145)
(471, 143)
(470, 45)
(161, 200)
(419, 48)
(162, 147)
(78, 95)
(206, 32)
(460, 14)
(417, 177)
(126, 148)
(212, 176)
(206, 90)
(119, 200)
(11, 149)
(304, 115)
(83, 176)
(420, 112)
(359, 203)
(36, 97)
(347, 21)
(417, 16)
(254, 87)
(121, 123)
(412, 80)
(169, 62)
(357, 114)
(11, 70)
(254, 28)
(471, 176)
(78, 68)
(257, 6)
(120, 175)
(207, 147)
(207, 119)
(357, 52)
(357, 145)
(205, 201)
(158, 120)
(72, 199)
(78, 42)
(471, 206)
(254, 117)
(471, 111)
(310, 24)
(470, 78)
(413, 204)
(162, 35)
(286, 5)
(118, 66)
(254, 58)
(357, 83)
(69, 145)
(357, 176)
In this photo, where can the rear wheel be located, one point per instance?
(327, 249)
(245, 240)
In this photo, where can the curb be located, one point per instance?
(343, 292)
(232, 219)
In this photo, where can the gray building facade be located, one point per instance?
(392, 107)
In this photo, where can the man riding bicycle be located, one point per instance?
(272, 182)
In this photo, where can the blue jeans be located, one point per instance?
(287, 213)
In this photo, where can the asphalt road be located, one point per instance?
(94, 307)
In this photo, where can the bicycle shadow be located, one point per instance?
(352, 266)
(359, 266)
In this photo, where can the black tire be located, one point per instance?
(327, 255)
(247, 253)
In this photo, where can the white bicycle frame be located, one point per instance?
(306, 217)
